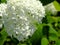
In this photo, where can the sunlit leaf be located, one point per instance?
(44, 41)
(57, 5)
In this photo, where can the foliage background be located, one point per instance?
(48, 33)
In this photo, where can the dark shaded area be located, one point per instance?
(44, 20)
(58, 1)
(38, 42)
(1, 28)
(58, 14)
(58, 37)
(46, 31)
(45, 2)
(9, 43)
(0, 1)
(54, 25)
(52, 42)
(0, 35)
(57, 26)
(13, 41)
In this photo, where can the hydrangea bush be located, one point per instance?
(29, 22)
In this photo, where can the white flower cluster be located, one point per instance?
(20, 16)
(32, 7)
(3, 7)
(51, 8)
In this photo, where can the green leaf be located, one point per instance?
(3, 1)
(52, 30)
(37, 35)
(53, 37)
(57, 5)
(3, 36)
(53, 34)
(44, 41)
(22, 44)
(50, 19)
(58, 42)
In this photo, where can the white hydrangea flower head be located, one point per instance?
(33, 7)
(51, 8)
(3, 7)
(20, 17)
